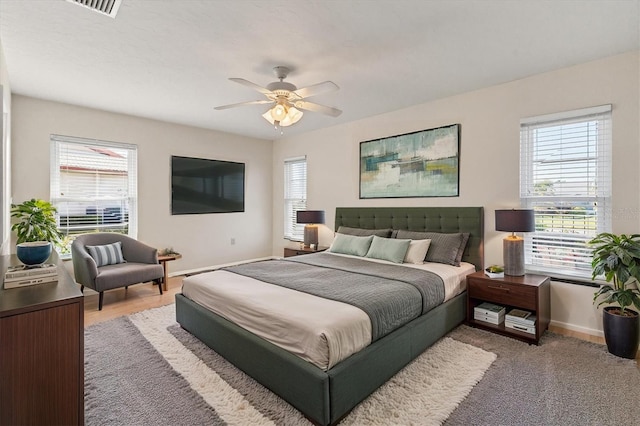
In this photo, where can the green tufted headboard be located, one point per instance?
(433, 219)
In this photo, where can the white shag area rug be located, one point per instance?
(425, 392)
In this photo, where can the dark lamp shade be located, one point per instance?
(310, 216)
(515, 220)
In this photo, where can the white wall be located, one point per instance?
(203, 239)
(489, 156)
(5, 154)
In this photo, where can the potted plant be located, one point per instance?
(617, 258)
(36, 229)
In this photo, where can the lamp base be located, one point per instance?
(311, 235)
(513, 256)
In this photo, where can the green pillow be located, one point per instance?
(351, 244)
(392, 250)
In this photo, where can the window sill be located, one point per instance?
(568, 279)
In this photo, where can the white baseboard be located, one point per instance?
(573, 327)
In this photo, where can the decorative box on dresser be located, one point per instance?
(41, 351)
(528, 292)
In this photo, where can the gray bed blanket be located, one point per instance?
(390, 295)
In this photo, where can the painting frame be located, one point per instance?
(425, 163)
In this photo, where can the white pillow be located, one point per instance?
(417, 251)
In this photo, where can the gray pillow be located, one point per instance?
(389, 249)
(361, 232)
(351, 244)
(444, 248)
(463, 246)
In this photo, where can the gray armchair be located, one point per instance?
(141, 264)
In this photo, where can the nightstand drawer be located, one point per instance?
(499, 292)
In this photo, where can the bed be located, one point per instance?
(325, 396)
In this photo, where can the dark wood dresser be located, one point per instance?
(41, 351)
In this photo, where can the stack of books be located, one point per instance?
(521, 320)
(23, 275)
(488, 312)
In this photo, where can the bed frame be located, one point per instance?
(325, 397)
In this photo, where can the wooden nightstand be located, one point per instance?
(288, 252)
(529, 292)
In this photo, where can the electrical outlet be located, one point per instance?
(233, 241)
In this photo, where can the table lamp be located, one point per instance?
(311, 219)
(513, 246)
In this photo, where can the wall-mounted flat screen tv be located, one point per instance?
(199, 185)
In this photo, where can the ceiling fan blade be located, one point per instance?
(310, 106)
(243, 104)
(252, 85)
(316, 89)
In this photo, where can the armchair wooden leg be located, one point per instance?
(81, 289)
(160, 287)
(100, 299)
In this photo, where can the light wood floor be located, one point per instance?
(146, 296)
(136, 298)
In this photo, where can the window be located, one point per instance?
(93, 186)
(565, 177)
(295, 196)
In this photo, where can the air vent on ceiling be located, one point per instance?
(105, 7)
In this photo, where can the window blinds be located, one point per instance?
(295, 196)
(94, 185)
(565, 177)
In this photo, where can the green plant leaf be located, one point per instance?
(617, 259)
(35, 220)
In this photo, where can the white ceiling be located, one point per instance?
(171, 59)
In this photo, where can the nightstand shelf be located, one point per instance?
(288, 252)
(529, 292)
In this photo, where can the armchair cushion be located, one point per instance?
(121, 274)
(108, 254)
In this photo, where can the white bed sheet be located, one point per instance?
(296, 321)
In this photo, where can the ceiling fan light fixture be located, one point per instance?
(293, 116)
(279, 111)
(267, 116)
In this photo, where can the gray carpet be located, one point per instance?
(563, 381)
(127, 382)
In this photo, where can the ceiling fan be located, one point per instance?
(287, 99)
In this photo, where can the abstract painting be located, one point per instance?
(419, 164)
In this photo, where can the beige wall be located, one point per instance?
(489, 158)
(203, 239)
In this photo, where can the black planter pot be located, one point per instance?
(621, 333)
